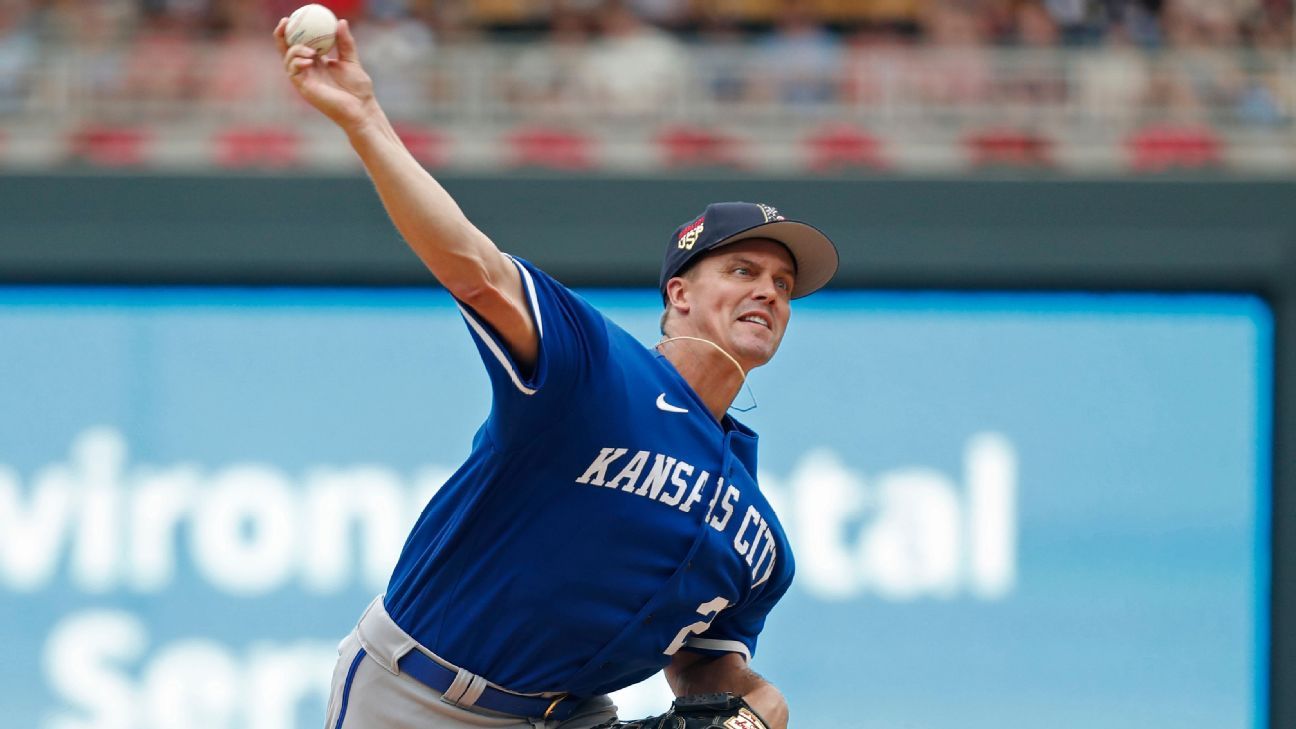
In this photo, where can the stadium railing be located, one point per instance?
(662, 107)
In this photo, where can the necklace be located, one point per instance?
(713, 344)
(728, 356)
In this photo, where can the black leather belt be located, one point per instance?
(439, 678)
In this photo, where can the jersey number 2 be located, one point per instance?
(708, 610)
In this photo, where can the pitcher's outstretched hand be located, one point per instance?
(338, 87)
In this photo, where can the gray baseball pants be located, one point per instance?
(370, 692)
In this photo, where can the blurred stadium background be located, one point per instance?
(1034, 448)
(780, 86)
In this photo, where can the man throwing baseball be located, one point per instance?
(607, 524)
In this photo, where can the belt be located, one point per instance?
(439, 678)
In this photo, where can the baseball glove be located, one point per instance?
(703, 711)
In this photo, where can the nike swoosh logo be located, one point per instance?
(663, 405)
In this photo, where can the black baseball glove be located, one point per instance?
(704, 711)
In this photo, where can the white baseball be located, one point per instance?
(312, 25)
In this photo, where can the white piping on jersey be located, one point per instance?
(531, 294)
(715, 644)
(490, 342)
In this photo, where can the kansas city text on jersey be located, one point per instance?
(667, 481)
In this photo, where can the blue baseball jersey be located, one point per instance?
(603, 521)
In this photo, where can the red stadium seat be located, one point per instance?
(256, 147)
(1164, 147)
(694, 146)
(550, 148)
(345, 8)
(353, 9)
(108, 146)
(1008, 148)
(842, 146)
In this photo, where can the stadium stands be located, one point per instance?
(800, 86)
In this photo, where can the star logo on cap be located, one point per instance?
(771, 213)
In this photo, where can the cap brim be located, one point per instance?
(816, 256)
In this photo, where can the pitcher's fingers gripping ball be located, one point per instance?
(313, 26)
(704, 711)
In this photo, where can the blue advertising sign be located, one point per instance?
(1008, 510)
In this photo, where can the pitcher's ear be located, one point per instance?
(677, 290)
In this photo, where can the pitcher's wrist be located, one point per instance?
(370, 120)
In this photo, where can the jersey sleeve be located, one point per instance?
(573, 340)
(736, 630)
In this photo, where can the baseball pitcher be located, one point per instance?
(607, 524)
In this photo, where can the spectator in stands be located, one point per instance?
(663, 13)
(800, 60)
(162, 64)
(717, 51)
(452, 21)
(1034, 27)
(1206, 75)
(19, 55)
(1267, 99)
(452, 24)
(545, 76)
(94, 32)
(1136, 20)
(238, 71)
(1074, 19)
(890, 15)
(1037, 77)
(878, 63)
(74, 22)
(956, 68)
(399, 52)
(1113, 80)
(1231, 12)
(633, 68)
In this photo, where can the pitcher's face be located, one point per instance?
(740, 298)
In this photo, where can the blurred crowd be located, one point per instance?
(1147, 23)
(631, 55)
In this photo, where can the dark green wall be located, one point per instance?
(1148, 235)
(612, 231)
